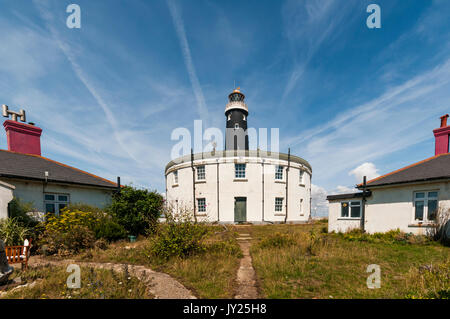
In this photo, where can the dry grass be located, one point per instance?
(209, 274)
(322, 265)
(51, 283)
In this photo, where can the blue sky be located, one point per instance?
(349, 99)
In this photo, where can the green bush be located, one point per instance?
(137, 210)
(180, 236)
(109, 229)
(107, 226)
(18, 210)
(277, 240)
(12, 232)
(68, 233)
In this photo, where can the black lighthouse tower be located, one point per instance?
(236, 112)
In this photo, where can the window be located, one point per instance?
(239, 170)
(301, 206)
(201, 173)
(175, 177)
(279, 172)
(229, 117)
(54, 203)
(244, 117)
(425, 206)
(236, 126)
(279, 204)
(351, 209)
(201, 205)
(302, 173)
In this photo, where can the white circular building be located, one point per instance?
(240, 185)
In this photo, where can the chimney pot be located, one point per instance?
(444, 120)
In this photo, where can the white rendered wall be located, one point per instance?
(6, 195)
(251, 187)
(33, 192)
(389, 209)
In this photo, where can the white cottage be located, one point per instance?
(406, 199)
(47, 184)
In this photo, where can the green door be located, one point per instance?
(240, 209)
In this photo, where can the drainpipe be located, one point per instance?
(193, 183)
(218, 208)
(262, 163)
(363, 210)
(287, 183)
(118, 185)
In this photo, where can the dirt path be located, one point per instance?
(246, 276)
(160, 285)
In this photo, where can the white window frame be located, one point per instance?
(201, 208)
(239, 173)
(351, 204)
(56, 202)
(278, 172)
(425, 200)
(201, 173)
(278, 205)
(175, 177)
(302, 177)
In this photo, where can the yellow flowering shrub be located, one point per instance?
(69, 232)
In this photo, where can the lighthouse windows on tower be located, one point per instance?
(239, 170)
(201, 174)
(279, 172)
(201, 205)
(302, 173)
(279, 204)
(236, 126)
(175, 177)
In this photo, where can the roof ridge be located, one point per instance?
(64, 165)
(404, 168)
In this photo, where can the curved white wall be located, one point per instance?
(220, 181)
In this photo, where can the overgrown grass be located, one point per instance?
(209, 272)
(321, 265)
(47, 282)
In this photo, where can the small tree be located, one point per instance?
(441, 223)
(137, 210)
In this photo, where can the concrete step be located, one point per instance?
(244, 238)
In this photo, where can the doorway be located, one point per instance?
(240, 209)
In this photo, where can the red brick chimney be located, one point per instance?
(442, 136)
(22, 138)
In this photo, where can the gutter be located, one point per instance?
(54, 181)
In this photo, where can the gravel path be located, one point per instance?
(160, 285)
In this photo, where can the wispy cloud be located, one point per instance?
(68, 52)
(184, 44)
(307, 25)
(382, 126)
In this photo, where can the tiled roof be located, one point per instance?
(33, 167)
(433, 168)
